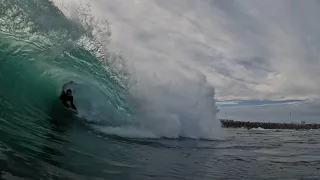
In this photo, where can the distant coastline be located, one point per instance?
(226, 123)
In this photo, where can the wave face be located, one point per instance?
(41, 49)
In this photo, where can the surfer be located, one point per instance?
(66, 97)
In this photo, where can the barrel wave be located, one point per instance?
(41, 49)
(138, 119)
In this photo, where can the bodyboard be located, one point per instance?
(71, 110)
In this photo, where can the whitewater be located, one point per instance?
(132, 124)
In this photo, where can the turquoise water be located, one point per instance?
(122, 131)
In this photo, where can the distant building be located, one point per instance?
(302, 122)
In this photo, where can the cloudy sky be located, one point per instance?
(261, 56)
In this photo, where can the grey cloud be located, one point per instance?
(255, 63)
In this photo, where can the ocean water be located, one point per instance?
(128, 127)
(245, 154)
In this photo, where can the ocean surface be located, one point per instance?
(126, 128)
(73, 153)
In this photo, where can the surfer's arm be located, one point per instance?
(72, 105)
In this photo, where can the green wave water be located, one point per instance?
(41, 50)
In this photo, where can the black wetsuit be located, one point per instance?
(65, 98)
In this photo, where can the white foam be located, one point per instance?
(176, 105)
(130, 131)
(259, 129)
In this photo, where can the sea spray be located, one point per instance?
(180, 106)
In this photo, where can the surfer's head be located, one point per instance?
(69, 92)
